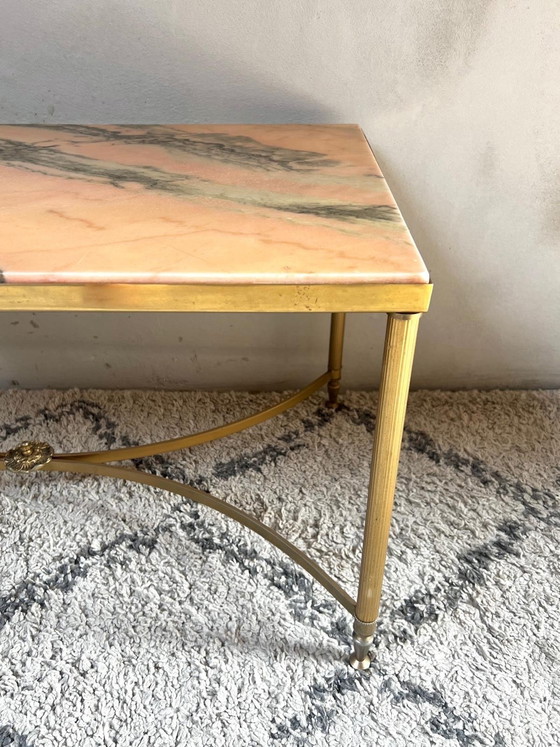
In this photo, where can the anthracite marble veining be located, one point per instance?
(239, 150)
(50, 160)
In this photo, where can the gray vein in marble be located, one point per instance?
(239, 150)
(50, 161)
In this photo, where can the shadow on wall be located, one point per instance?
(127, 67)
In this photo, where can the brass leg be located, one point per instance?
(335, 358)
(400, 340)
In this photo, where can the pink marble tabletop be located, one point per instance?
(293, 204)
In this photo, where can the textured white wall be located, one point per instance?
(460, 101)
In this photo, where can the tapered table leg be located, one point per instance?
(400, 341)
(335, 358)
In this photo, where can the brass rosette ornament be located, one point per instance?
(29, 455)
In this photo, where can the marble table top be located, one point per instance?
(244, 204)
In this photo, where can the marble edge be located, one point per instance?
(36, 278)
(405, 224)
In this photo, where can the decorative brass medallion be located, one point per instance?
(28, 455)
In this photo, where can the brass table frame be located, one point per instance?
(403, 303)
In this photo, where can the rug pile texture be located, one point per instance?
(132, 617)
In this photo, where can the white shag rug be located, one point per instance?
(132, 617)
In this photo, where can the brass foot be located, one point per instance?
(332, 405)
(360, 664)
(333, 388)
(361, 658)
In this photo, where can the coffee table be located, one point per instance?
(220, 218)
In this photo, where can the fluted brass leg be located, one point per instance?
(400, 341)
(335, 358)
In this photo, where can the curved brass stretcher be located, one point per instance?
(34, 455)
